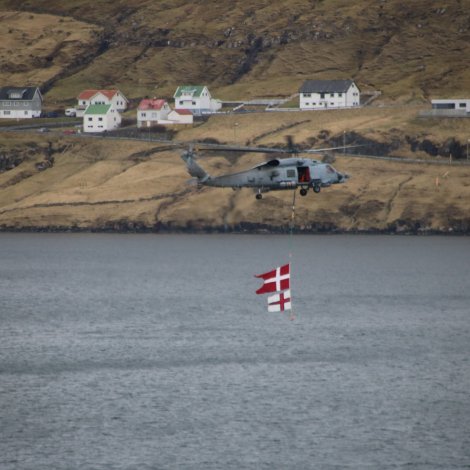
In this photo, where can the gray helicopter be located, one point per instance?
(273, 175)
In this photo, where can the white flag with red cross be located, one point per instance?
(279, 302)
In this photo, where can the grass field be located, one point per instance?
(410, 51)
(102, 183)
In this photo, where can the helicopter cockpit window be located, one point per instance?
(291, 173)
(330, 169)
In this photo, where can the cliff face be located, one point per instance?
(409, 50)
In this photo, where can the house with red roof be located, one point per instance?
(180, 116)
(113, 97)
(151, 112)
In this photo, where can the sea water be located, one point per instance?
(154, 352)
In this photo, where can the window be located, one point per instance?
(462, 105)
(332, 104)
(100, 119)
(322, 96)
(332, 95)
(314, 104)
(90, 119)
(307, 95)
(443, 105)
(6, 113)
(307, 104)
(26, 113)
(340, 95)
(144, 114)
(291, 173)
(194, 103)
(181, 102)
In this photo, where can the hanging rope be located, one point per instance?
(291, 237)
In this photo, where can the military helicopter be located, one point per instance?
(273, 175)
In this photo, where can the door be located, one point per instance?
(303, 174)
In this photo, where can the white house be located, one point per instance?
(451, 107)
(113, 97)
(325, 94)
(196, 98)
(151, 112)
(101, 118)
(180, 116)
(20, 102)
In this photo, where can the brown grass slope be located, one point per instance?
(113, 184)
(409, 50)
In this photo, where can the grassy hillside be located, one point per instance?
(115, 184)
(409, 50)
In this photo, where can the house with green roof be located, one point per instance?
(196, 98)
(101, 118)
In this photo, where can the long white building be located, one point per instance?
(326, 94)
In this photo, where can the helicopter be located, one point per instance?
(273, 175)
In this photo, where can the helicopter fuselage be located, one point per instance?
(287, 173)
(275, 174)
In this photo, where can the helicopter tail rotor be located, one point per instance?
(193, 168)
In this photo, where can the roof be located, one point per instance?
(183, 112)
(151, 104)
(193, 90)
(88, 94)
(19, 93)
(98, 109)
(325, 86)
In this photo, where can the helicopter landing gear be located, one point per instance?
(303, 191)
(316, 188)
(259, 196)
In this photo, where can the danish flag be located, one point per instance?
(276, 280)
(279, 302)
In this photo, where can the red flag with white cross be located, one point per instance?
(276, 280)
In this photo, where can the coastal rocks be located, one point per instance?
(450, 147)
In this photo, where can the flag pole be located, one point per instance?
(292, 314)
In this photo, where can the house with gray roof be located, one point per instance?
(329, 94)
(20, 102)
(196, 98)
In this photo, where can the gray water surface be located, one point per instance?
(153, 352)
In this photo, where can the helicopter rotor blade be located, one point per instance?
(326, 149)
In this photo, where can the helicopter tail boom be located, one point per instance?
(193, 168)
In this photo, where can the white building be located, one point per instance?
(113, 97)
(20, 102)
(180, 116)
(451, 107)
(196, 98)
(326, 94)
(101, 118)
(152, 112)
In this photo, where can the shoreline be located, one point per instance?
(241, 229)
